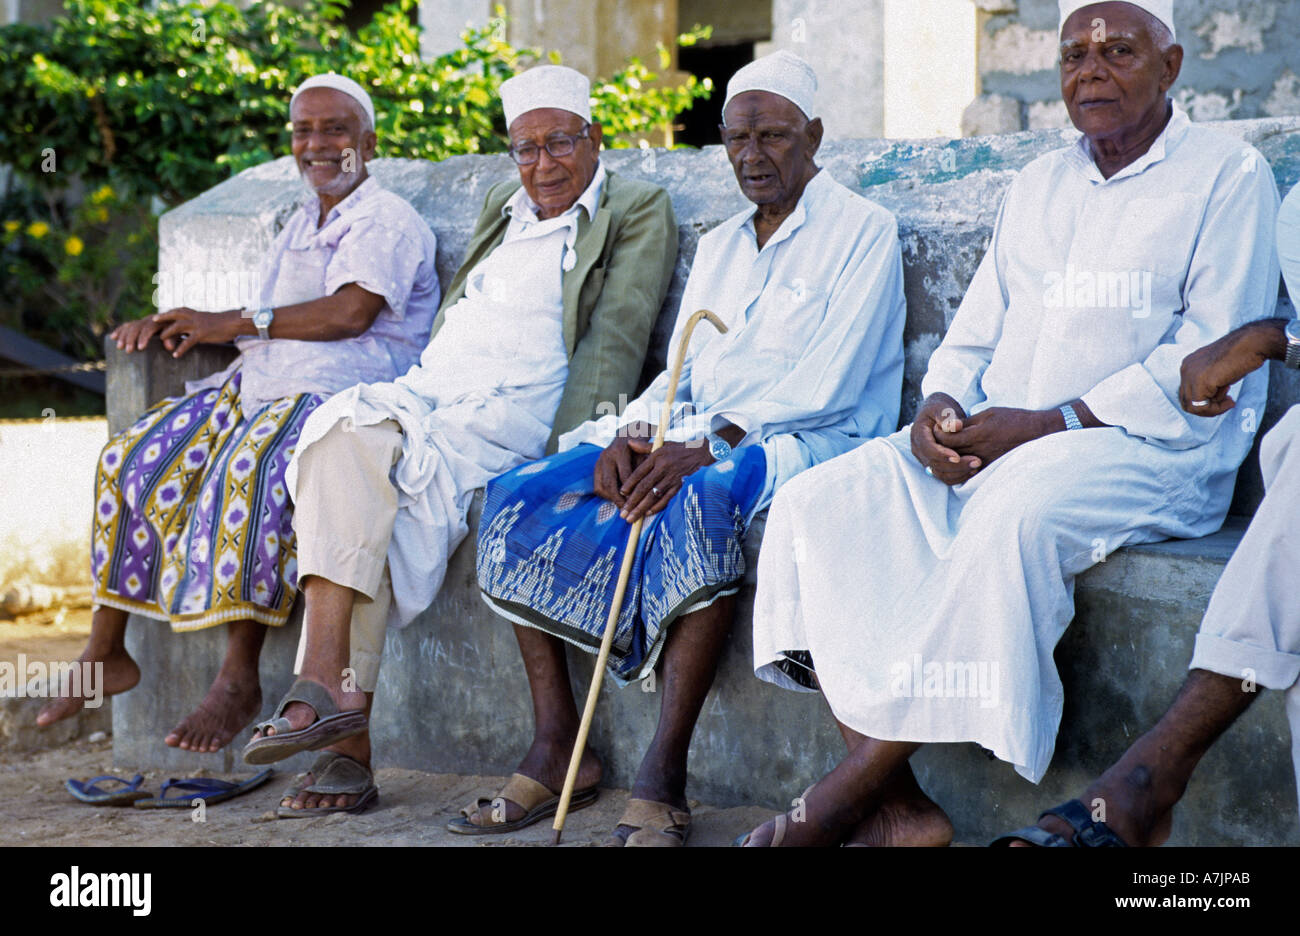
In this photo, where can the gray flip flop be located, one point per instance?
(336, 774)
(330, 726)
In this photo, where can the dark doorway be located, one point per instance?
(699, 125)
(361, 12)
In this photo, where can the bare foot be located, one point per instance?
(231, 703)
(906, 817)
(547, 763)
(914, 822)
(119, 674)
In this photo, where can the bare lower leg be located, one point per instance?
(555, 718)
(106, 646)
(906, 816)
(689, 663)
(1136, 796)
(327, 622)
(845, 797)
(233, 699)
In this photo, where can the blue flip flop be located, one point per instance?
(88, 791)
(209, 790)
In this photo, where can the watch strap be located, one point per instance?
(1292, 358)
(1071, 417)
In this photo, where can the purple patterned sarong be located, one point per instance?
(193, 523)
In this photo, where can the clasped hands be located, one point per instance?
(641, 483)
(954, 447)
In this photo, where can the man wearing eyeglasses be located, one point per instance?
(549, 315)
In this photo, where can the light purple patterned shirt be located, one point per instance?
(373, 238)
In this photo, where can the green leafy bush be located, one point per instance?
(163, 102)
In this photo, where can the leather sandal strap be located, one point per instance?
(642, 814)
(310, 693)
(525, 791)
(342, 775)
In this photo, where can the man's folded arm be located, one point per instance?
(1232, 279)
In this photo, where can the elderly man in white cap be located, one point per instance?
(192, 523)
(549, 315)
(809, 283)
(1250, 636)
(1050, 435)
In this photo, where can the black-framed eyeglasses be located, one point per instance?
(557, 146)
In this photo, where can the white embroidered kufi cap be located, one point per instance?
(1162, 10)
(338, 83)
(782, 73)
(546, 86)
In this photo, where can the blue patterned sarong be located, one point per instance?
(549, 551)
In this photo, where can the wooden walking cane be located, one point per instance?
(624, 573)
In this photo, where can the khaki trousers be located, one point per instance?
(343, 516)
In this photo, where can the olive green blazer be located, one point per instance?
(612, 296)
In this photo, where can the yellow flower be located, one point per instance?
(11, 226)
(101, 215)
(73, 246)
(38, 229)
(102, 194)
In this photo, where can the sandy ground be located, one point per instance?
(413, 809)
(56, 634)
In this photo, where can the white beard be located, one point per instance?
(340, 185)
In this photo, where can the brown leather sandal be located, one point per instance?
(536, 799)
(655, 825)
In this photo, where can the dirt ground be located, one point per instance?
(56, 634)
(413, 809)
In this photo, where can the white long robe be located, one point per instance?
(931, 612)
(481, 401)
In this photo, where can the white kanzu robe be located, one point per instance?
(931, 612)
(480, 402)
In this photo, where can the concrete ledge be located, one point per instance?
(453, 695)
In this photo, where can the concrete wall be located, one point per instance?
(845, 44)
(1240, 61)
(593, 36)
(453, 694)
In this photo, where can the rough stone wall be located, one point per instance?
(1240, 62)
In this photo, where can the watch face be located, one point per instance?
(719, 449)
(1293, 330)
(262, 318)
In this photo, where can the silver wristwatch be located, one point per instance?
(262, 319)
(1071, 417)
(719, 447)
(1292, 359)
